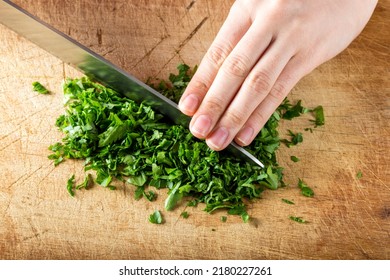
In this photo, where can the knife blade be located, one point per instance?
(97, 67)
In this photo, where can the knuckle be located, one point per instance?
(259, 118)
(278, 92)
(215, 105)
(234, 118)
(259, 82)
(236, 65)
(200, 85)
(217, 55)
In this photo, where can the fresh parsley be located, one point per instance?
(38, 87)
(185, 214)
(298, 219)
(121, 140)
(318, 115)
(156, 217)
(305, 189)
(294, 158)
(287, 201)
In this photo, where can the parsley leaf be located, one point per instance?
(359, 175)
(185, 214)
(70, 185)
(121, 140)
(38, 87)
(156, 217)
(294, 158)
(296, 138)
(305, 189)
(293, 111)
(287, 201)
(298, 219)
(319, 116)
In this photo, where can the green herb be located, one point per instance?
(241, 211)
(294, 158)
(70, 185)
(122, 140)
(359, 175)
(185, 214)
(38, 87)
(293, 111)
(287, 201)
(223, 219)
(298, 219)
(155, 217)
(305, 189)
(86, 183)
(296, 138)
(319, 116)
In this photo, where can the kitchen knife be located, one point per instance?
(96, 67)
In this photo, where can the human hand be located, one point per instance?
(262, 50)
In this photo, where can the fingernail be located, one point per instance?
(189, 104)
(218, 138)
(245, 135)
(201, 126)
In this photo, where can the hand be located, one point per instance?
(262, 50)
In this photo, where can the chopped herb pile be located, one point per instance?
(124, 141)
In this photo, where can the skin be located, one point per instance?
(261, 51)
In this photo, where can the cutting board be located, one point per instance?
(348, 218)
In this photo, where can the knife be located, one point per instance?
(97, 67)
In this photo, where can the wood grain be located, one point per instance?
(348, 218)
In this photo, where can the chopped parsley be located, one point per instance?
(294, 158)
(185, 214)
(156, 217)
(38, 87)
(70, 185)
(318, 115)
(287, 201)
(298, 220)
(359, 175)
(295, 139)
(121, 140)
(305, 189)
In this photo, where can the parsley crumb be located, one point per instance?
(185, 214)
(305, 189)
(359, 175)
(294, 158)
(298, 219)
(223, 219)
(70, 185)
(287, 201)
(318, 115)
(155, 217)
(38, 87)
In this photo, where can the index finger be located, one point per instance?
(232, 30)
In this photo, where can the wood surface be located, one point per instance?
(349, 218)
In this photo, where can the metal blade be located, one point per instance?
(96, 67)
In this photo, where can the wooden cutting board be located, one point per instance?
(349, 218)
